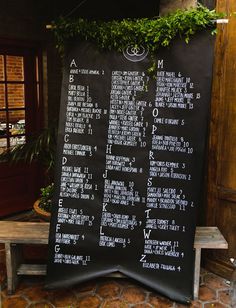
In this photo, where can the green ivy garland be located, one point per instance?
(151, 33)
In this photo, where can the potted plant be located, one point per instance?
(43, 205)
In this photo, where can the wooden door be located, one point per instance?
(19, 117)
(221, 203)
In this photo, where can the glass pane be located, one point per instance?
(16, 141)
(1, 68)
(3, 144)
(3, 123)
(2, 96)
(15, 69)
(17, 122)
(16, 96)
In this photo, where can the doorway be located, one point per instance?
(20, 117)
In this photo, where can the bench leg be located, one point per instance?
(13, 259)
(197, 272)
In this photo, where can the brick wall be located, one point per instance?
(15, 68)
(1, 68)
(2, 96)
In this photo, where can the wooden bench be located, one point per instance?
(13, 234)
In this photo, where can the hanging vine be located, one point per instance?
(151, 33)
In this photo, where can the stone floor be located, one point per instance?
(108, 293)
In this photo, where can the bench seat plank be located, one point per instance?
(37, 233)
(209, 237)
(24, 232)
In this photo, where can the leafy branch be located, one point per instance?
(151, 33)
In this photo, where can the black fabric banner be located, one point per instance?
(129, 173)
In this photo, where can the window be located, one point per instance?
(13, 99)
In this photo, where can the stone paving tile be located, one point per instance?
(224, 297)
(108, 290)
(14, 301)
(159, 301)
(214, 282)
(35, 293)
(115, 303)
(62, 298)
(90, 301)
(24, 286)
(206, 294)
(134, 295)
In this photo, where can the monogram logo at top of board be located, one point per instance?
(135, 53)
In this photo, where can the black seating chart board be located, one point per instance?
(129, 172)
